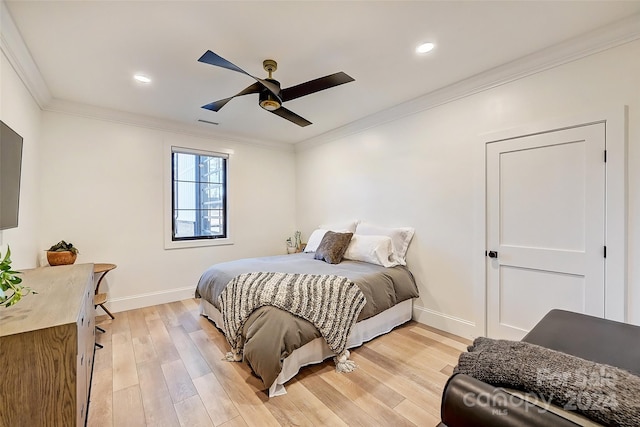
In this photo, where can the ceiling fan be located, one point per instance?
(271, 96)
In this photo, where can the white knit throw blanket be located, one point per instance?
(331, 303)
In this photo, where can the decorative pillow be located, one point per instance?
(400, 238)
(315, 239)
(332, 247)
(371, 249)
(606, 394)
(341, 227)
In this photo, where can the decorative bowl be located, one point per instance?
(61, 257)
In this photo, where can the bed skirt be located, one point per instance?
(317, 350)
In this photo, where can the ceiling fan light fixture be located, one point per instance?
(269, 105)
(269, 102)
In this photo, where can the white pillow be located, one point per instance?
(400, 238)
(371, 249)
(341, 227)
(315, 239)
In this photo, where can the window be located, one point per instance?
(198, 194)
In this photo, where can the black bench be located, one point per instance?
(467, 401)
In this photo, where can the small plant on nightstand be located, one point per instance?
(298, 240)
(11, 291)
(294, 244)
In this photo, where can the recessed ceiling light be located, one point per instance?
(142, 78)
(425, 47)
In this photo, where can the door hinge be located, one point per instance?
(605, 156)
(605, 252)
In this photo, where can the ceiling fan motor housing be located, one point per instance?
(268, 100)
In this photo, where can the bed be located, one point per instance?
(277, 343)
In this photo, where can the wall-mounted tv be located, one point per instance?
(10, 169)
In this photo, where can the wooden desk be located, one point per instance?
(101, 299)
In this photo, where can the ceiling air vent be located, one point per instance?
(208, 122)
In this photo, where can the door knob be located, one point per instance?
(492, 254)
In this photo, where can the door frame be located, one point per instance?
(616, 134)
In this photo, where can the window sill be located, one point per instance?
(183, 244)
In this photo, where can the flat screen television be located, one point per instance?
(10, 169)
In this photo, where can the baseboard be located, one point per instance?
(148, 299)
(444, 322)
(435, 319)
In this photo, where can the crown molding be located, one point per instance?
(607, 37)
(149, 122)
(20, 58)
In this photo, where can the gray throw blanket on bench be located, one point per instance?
(331, 303)
(606, 394)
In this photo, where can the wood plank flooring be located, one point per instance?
(162, 366)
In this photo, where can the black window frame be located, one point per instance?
(199, 182)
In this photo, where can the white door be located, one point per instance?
(545, 227)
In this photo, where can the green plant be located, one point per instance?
(63, 246)
(11, 283)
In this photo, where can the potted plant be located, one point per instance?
(294, 244)
(62, 253)
(11, 291)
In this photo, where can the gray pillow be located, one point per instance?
(332, 247)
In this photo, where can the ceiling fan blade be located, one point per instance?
(316, 85)
(291, 116)
(214, 59)
(217, 105)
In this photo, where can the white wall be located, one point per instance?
(425, 171)
(20, 112)
(102, 189)
(100, 185)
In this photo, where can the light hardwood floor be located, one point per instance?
(162, 366)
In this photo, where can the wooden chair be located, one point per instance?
(101, 299)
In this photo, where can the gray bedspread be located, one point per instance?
(272, 334)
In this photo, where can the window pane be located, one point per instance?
(212, 195)
(199, 196)
(184, 224)
(212, 222)
(184, 166)
(199, 223)
(184, 195)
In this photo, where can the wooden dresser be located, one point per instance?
(46, 349)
